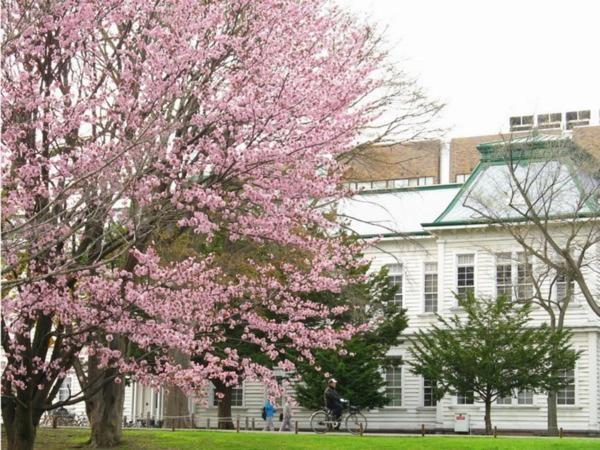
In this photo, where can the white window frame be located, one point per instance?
(505, 401)
(433, 399)
(462, 177)
(428, 271)
(521, 126)
(504, 259)
(379, 185)
(399, 274)
(458, 395)
(523, 258)
(401, 182)
(214, 400)
(459, 265)
(560, 288)
(514, 260)
(580, 120)
(525, 394)
(426, 181)
(574, 390)
(550, 124)
(400, 368)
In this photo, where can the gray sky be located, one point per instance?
(495, 58)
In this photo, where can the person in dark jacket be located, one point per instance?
(333, 401)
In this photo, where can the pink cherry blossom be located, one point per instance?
(226, 120)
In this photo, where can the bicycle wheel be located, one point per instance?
(319, 422)
(354, 422)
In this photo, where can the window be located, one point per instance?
(578, 118)
(393, 385)
(430, 287)
(561, 287)
(465, 275)
(64, 392)
(548, 121)
(462, 177)
(524, 283)
(395, 279)
(566, 395)
(428, 394)
(525, 397)
(377, 185)
(237, 397)
(504, 400)
(425, 181)
(465, 398)
(521, 123)
(504, 275)
(401, 183)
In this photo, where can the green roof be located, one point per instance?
(488, 194)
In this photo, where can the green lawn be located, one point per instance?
(64, 439)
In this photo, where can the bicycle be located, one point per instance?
(81, 420)
(322, 421)
(46, 420)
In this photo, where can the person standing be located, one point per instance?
(286, 423)
(269, 412)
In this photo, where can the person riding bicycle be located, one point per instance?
(333, 401)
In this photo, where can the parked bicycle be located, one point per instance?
(64, 419)
(323, 420)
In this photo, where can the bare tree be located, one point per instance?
(543, 193)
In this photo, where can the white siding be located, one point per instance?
(412, 253)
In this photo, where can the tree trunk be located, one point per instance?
(488, 416)
(176, 407)
(105, 412)
(18, 425)
(105, 407)
(552, 415)
(177, 413)
(224, 409)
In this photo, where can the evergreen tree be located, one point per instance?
(489, 349)
(357, 366)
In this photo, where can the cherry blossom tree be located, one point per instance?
(222, 119)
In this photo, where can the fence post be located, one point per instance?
(208, 423)
(237, 424)
(253, 424)
(296, 427)
(495, 431)
(54, 421)
(561, 433)
(361, 429)
(422, 430)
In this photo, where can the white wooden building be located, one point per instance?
(434, 246)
